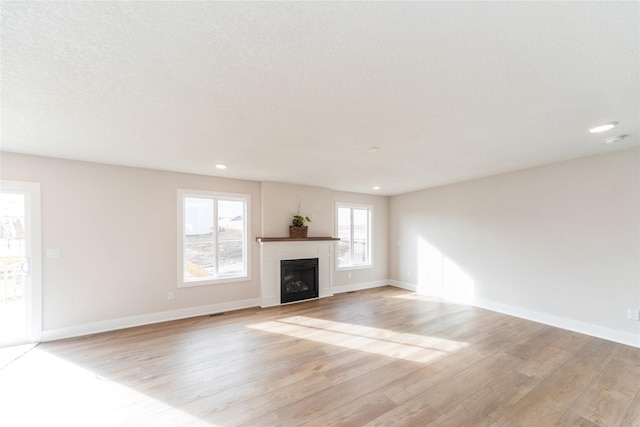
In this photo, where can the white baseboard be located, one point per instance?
(145, 319)
(597, 331)
(609, 334)
(359, 286)
(590, 329)
(325, 293)
(403, 285)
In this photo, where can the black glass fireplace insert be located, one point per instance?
(298, 279)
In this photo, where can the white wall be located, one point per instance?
(558, 243)
(116, 228)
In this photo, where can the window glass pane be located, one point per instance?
(354, 231)
(360, 236)
(230, 236)
(213, 239)
(199, 253)
(344, 223)
(344, 233)
(344, 215)
(344, 252)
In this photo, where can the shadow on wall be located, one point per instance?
(439, 276)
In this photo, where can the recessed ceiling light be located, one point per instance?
(374, 149)
(377, 187)
(221, 166)
(603, 128)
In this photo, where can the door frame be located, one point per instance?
(33, 245)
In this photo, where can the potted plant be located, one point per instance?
(297, 229)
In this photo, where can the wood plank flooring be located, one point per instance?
(380, 357)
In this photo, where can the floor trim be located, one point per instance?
(145, 319)
(609, 334)
(590, 329)
(359, 286)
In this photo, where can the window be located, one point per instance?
(212, 237)
(354, 230)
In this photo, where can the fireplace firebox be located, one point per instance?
(298, 279)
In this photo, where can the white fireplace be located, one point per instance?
(274, 250)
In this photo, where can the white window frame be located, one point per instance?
(369, 208)
(245, 275)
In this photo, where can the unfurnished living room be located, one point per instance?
(319, 213)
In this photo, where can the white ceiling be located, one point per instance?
(298, 92)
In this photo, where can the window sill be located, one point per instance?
(354, 267)
(216, 281)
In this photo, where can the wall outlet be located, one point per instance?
(634, 314)
(53, 253)
(349, 275)
(170, 296)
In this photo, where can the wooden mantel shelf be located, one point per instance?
(294, 239)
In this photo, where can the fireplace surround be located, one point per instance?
(275, 250)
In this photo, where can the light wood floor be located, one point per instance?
(375, 357)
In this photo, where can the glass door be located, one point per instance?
(20, 307)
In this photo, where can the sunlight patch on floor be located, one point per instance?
(384, 342)
(10, 354)
(40, 389)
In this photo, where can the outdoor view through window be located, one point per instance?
(354, 231)
(214, 238)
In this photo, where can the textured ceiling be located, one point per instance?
(298, 92)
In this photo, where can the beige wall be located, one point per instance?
(116, 229)
(562, 240)
(280, 202)
(380, 238)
